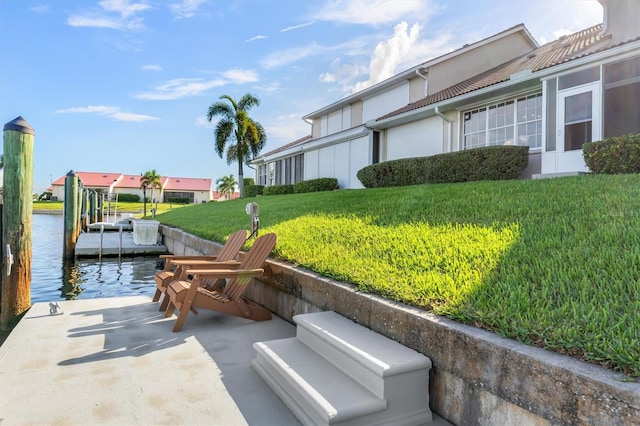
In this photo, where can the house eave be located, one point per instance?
(410, 73)
(509, 86)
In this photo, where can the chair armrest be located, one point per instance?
(223, 273)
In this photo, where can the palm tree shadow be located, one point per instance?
(129, 331)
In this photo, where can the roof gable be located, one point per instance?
(565, 49)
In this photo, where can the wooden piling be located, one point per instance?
(93, 206)
(70, 214)
(18, 141)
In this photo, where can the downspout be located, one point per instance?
(449, 126)
(426, 81)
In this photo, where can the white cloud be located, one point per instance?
(562, 32)
(371, 12)
(388, 54)
(40, 8)
(287, 128)
(258, 37)
(152, 68)
(186, 8)
(116, 15)
(239, 76)
(295, 27)
(289, 56)
(202, 121)
(179, 88)
(183, 87)
(107, 111)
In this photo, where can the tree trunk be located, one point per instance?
(240, 179)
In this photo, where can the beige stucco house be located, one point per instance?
(505, 89)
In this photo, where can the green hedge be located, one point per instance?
(249, 182)
(488, 163)
(316, 185)
(177, 200)
(620, 154)
(253, 190)
(129, 198)
(277, 190)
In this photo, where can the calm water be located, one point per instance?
(51, 280)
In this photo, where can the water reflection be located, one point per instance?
(52, 279)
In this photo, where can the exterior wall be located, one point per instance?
(477, 376)
(311, 165)
(382, 103)
(315, 129)
(417, 139)
(57, 192)
(622, 19)
(417, 89)
(476, 61)
(341, 161)
(356, 114)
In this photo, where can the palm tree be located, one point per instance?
(150, 179)
(235, 123)
(226, 185)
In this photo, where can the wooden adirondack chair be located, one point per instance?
(225, 260)
(187, 295)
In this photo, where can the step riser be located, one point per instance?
(403, 413)
(342, 361)
(298, 405)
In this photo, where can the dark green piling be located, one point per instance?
(70, 215)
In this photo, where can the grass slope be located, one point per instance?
(555, 263)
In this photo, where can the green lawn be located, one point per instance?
(136, 208)
(554, 263)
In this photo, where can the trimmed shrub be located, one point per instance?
(177, 200)
(488, 163)
(277, 190)
(616, 155)
(253, 190)
(129, 198)
(316, 185)
(249, 182)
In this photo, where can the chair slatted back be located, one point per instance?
(254, 259)
(229, 251)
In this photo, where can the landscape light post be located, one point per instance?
(144, 198)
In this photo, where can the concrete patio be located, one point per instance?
(116, 361)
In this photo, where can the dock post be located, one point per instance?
(83, 212)
(70, 214)
(78, 217)
(15, 295)
(100, 206)
(92, 207)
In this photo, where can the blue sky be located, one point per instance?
(124, 85)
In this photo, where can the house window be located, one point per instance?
(622, 98)
(299, 167)
(271, 174)
(288, 170)
(513, 122)
(262, 174)
(376, 148)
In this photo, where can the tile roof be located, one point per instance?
(287, 146)
(565, 49)
(92, 179)
(130, 181)
(104, 180)
(186, 184)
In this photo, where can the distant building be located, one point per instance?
(196, 190)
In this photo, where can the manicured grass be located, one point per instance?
(554, 263)
(137, 208)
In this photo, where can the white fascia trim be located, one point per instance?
(544, 74)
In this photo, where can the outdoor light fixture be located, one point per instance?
(252, 210)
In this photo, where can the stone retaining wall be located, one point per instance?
(477, 377)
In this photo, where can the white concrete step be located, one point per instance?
(368, 357)
(313, 389)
